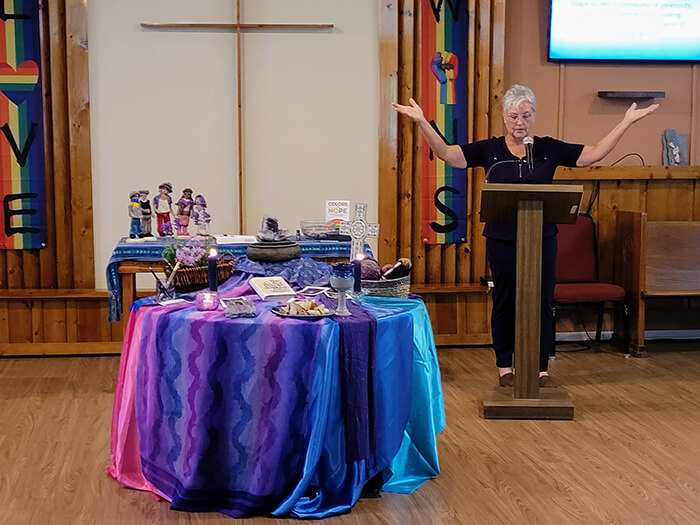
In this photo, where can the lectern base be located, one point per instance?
(554, 403)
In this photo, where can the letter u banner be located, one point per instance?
(22, 177)
(444, 55)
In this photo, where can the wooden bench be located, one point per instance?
(654, 259)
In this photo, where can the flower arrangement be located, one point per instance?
(193, 258)
(192, 254)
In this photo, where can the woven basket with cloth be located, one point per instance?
(387, 287)
(197, 278)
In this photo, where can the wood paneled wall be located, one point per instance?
(664, 193)
(445, 275)
(48, 295)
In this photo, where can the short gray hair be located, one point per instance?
(516, 95)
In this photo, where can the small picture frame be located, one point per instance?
(238, 307)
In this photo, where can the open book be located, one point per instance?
(272, 288)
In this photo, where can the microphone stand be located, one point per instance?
(521, 162)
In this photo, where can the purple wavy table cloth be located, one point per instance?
(261, 416)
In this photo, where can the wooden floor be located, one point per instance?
(632, 455)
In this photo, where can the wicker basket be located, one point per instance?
(193, 279)
(387, 288)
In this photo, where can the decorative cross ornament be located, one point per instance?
(359, 230)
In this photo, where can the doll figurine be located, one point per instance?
(200, 215)
(145, 205)
(162, 204)
(134, 215)
(184, 210)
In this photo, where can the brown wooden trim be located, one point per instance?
(482, 125)
(47, 255)
(20, 321)
(670, 293)
(188, 25)
(71, 320)
(462, 339)
(628, 173)
(140, 266)
(31, 278)
(418, 249)
(53, 293)
(433, 262)
(54, 312)
(464, 250)
(61, 164)
(18, 349)
(15, 263)
(239, 121)
(405, 138)
(388, 29)
(4, 322)
(449, 263)
(37, 322)
(3, 269)
(79, 137)
(497, 69)
(448, 288)
(693, 141)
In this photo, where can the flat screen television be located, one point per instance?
(634, 30)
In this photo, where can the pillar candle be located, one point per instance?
(213, 277)
(357, 272)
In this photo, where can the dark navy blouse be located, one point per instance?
(548, 154)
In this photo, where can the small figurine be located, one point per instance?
(162, 205)
(184, 209)
(145, 205)
(200, 215)
(134, 215)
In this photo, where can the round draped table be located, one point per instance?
(273, 415)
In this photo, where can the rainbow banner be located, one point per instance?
(444, 44)
(22, 177)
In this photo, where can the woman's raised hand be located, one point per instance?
(413, 111)
(633, 114)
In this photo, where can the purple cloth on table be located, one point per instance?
(222, 406)
(356, 352)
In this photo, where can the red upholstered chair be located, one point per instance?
(577, 275)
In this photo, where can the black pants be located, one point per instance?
(502, 257)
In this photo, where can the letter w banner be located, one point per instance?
(444, 98)
(22, 177)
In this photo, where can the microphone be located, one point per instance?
(529, 141)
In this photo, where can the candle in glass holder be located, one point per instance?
(357, 272)
(212, 270)
(207, 300)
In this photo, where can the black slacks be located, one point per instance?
(502, 257)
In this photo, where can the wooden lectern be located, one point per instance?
(530, 205)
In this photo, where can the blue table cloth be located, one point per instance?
(270, 415)
(153, 251)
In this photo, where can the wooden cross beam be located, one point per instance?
(238, 26)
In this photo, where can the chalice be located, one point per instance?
(342, 281)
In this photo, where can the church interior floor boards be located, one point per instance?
(632, 454)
